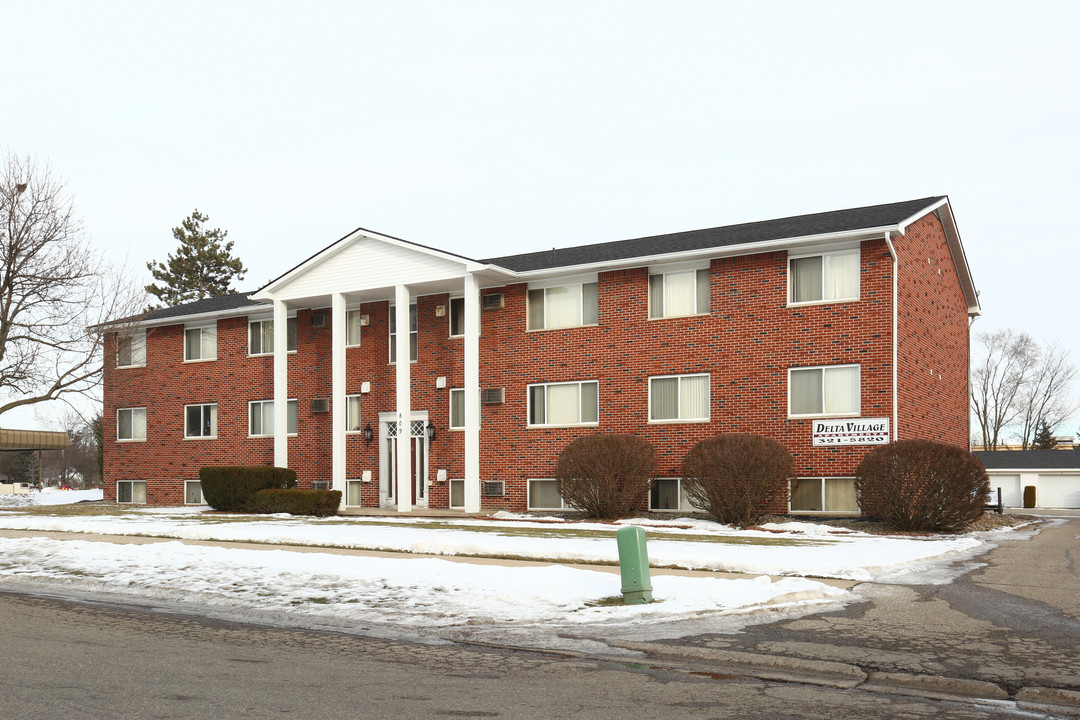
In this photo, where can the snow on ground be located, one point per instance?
(440, 596)
(50, 496)
(683, 543)
(432, 598)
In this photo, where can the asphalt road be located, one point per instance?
(74, 660)
(1014, 622)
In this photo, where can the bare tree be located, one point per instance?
(996, 382)
(54, 291)
(76, 465)
(1045, 398)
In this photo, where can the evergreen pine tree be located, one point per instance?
(1044, 437)
(202, 267)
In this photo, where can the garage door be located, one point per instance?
(1059, 491)
(1011, 495)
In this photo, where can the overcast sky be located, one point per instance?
(488, 128)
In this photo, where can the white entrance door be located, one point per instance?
(388, 464)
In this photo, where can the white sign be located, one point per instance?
(869, 431)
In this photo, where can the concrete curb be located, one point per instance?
(765, 667)
(1049, 700)
(933, 686)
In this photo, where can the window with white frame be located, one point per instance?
(131, 491)
(200, 343)
(352, 413)
(563, 306)
(679, 398)
(544, 495)
(678, 293)
(193, 493)
(826, 277)
(131, 350)
(668, 494)
(457, 317)
(567, 403)
(829, 390)
(354, 323)
(412, 334)
(262, 418)
(354, 492)
(261, 336)
(830, 494)
(457, 493)
(457, 409)
(200, 421)
(131, 424)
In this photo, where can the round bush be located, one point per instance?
(923, 485)
(607, 475)
(732, 477)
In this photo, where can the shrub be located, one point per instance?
(923, 485)
(320, 503)
(232, 488)
(606, 474)
(732, 476)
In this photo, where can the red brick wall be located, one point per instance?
(747, 344)
(933, 338)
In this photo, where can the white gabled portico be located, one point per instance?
(367, 267)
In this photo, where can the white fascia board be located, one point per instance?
(200, 317)
(902, 226)
(266, 291)
(714, 252)
(956, 249)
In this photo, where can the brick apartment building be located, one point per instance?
(829, 332)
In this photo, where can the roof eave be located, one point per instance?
(751, 248)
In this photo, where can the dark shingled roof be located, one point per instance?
(1030, 459)
(208, 305)
(791, 227)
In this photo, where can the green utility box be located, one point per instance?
(634, 565)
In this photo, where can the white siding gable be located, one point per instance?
(367, 263)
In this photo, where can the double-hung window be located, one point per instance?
(567, 403)
(826, 277)
(200, 421)
(830, 390)
(457, 317)
(352, 413)
(354, 322)
(131, 350)
(131, 424)
(564, 306)
(412, 334)
(262, 418)
(679, 398)
(200, 343)
(261, 336)
(457, 409)
(677, 293)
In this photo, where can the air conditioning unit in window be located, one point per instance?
(318, 319)
(320, 405)
(491, 301)
(494, 488)
(320, 484)
(491, 396)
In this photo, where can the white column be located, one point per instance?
(472, 394)
(404, 399)
(281, 384)
(338, 331)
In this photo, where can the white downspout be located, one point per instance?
(895, 339)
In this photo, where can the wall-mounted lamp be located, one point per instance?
(368, 434)
(430, 430)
